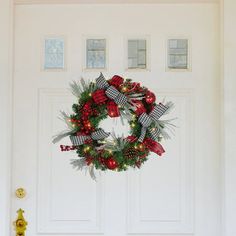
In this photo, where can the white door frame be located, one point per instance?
(228, 85)
(228, 160)
(6, 62)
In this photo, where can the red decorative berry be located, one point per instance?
(102, 160)
(111, 163)
(87, 105)
(150, 97)
(99, 96)
(89, 160)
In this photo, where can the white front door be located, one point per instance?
(177, 194)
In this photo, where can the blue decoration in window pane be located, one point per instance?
(54, 53)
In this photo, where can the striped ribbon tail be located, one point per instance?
(143, 134)
(115, 95)
(158, 111)
(79, 140)
(154, 133)
(101, 82)
(111, 91)
(145, 121)
(99, 134)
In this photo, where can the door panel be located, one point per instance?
(72, 202)
(172, 195)
(161, 193)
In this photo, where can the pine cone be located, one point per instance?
(130, 153)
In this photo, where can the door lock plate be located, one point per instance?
(20, 193)
(20, 223)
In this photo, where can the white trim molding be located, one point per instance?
(228, 73)
(6, 70)
(26, 2)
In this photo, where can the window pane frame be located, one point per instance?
(48, 54)
(137, 57)
(178, 51)
(95, 51)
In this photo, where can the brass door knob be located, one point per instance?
(20, 193)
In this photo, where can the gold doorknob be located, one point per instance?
(20, 193)
(20, 223)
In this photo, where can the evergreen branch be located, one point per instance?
(116, 144)
(78, 164)
(61, 135)
(92, 172)
(66, 118)
(163, 126)
(125, 114)
(77, 88)
(170, 106)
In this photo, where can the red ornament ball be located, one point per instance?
(150, 97)
(139, 107)
(111, 163)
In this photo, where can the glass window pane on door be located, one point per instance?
(137, 54)
(54, 53)
(96, 53)
(178, 54)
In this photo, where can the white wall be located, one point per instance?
(229, 46)
(5, 105)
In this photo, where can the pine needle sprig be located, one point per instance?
(70, 129)
(80, 164)
(77, 88)
(170, 106)
(117, 144)
(164, 127)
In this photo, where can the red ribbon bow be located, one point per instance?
(149, 143)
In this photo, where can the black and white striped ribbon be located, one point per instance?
(146, 120)
(97, 135)
(111, 91)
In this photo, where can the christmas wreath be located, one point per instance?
(116, 97)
